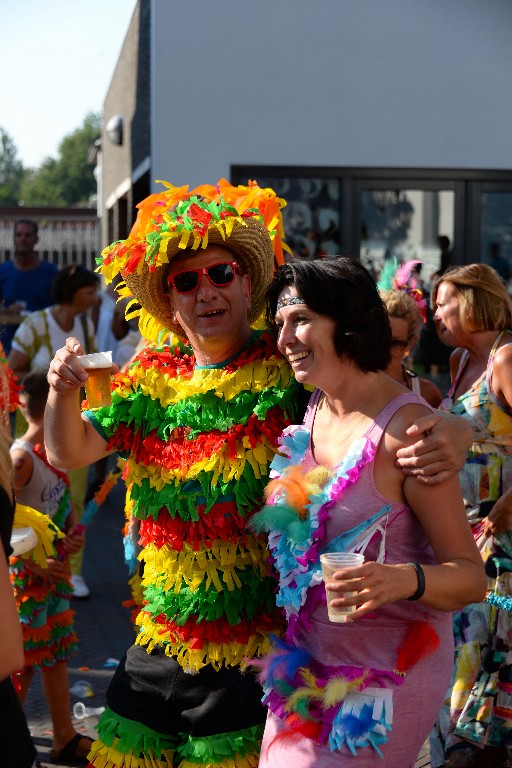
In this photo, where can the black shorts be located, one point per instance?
(152, 689)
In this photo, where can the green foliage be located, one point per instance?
(67, 180)
(11, 170)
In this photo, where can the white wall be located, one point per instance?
(329, 82)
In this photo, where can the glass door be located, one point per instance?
(496, 228)
(402, 223)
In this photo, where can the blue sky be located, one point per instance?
(57, 58)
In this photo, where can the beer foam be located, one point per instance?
(96, 360)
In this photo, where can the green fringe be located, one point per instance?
(256, 596)
(63, 510)
(199, 413)
(133, 736)
(213, 749)
(208, 412)
(180, 500)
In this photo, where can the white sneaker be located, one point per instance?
(80, 588)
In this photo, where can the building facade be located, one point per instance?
(384, 125)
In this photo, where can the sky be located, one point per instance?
(57, 58)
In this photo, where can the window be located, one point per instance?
(376, 212)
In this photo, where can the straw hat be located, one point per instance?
(246, 220)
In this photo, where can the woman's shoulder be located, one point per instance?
(401, 419)
(430, 392)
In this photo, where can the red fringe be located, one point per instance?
(223, 522)
(180, 453)
(421, 640)
(297, 728)
(220, 631)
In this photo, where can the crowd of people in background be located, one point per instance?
(236, 662)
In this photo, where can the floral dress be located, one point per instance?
(478, 707)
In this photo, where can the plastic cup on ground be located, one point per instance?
(332, 562)
(97, 387)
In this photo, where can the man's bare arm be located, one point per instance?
(71, 441)
(441, 448)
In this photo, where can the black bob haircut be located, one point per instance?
(342, 289)
(69, 280)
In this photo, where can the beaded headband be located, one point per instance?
(288, 300)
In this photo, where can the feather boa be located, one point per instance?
(339, 705)
(298, 506)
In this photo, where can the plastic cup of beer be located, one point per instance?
(97, 387)
(332, 562)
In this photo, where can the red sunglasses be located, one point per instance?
(220, 275)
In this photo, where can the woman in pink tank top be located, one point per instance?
(367, 690)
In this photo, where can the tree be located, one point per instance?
(67, 180)
(11, 170)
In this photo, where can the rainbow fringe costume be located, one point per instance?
(43, 605)
(198, 443)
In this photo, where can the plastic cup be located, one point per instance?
(23, 540)
(332, 562)
(97, 387)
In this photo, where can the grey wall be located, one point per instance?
(329, 82)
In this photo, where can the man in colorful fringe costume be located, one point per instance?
(198, 420)
(198, 424)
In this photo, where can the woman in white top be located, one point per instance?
(34, 345)
(42, 333)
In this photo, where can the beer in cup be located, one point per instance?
(332, 562)
(97, 387)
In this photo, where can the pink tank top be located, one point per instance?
(399, 539)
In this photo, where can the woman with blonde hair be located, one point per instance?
(473, 313)
(405, 320)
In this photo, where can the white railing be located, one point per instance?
(69, 237)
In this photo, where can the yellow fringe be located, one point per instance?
(192, 660)
(218, 566)
(250, 761)
(256, 377)
(47, 532)
(102, 756)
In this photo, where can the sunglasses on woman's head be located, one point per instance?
(220, 275)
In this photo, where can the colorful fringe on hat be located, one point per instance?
(177, 219)
(401, 278)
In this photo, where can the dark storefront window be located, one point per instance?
(406, 224)
(377, 212)
(312, 214)
(496, 232)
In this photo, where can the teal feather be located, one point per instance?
(276, 517)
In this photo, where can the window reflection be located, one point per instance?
(407, 224)
(496, 233)
(311, 216)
